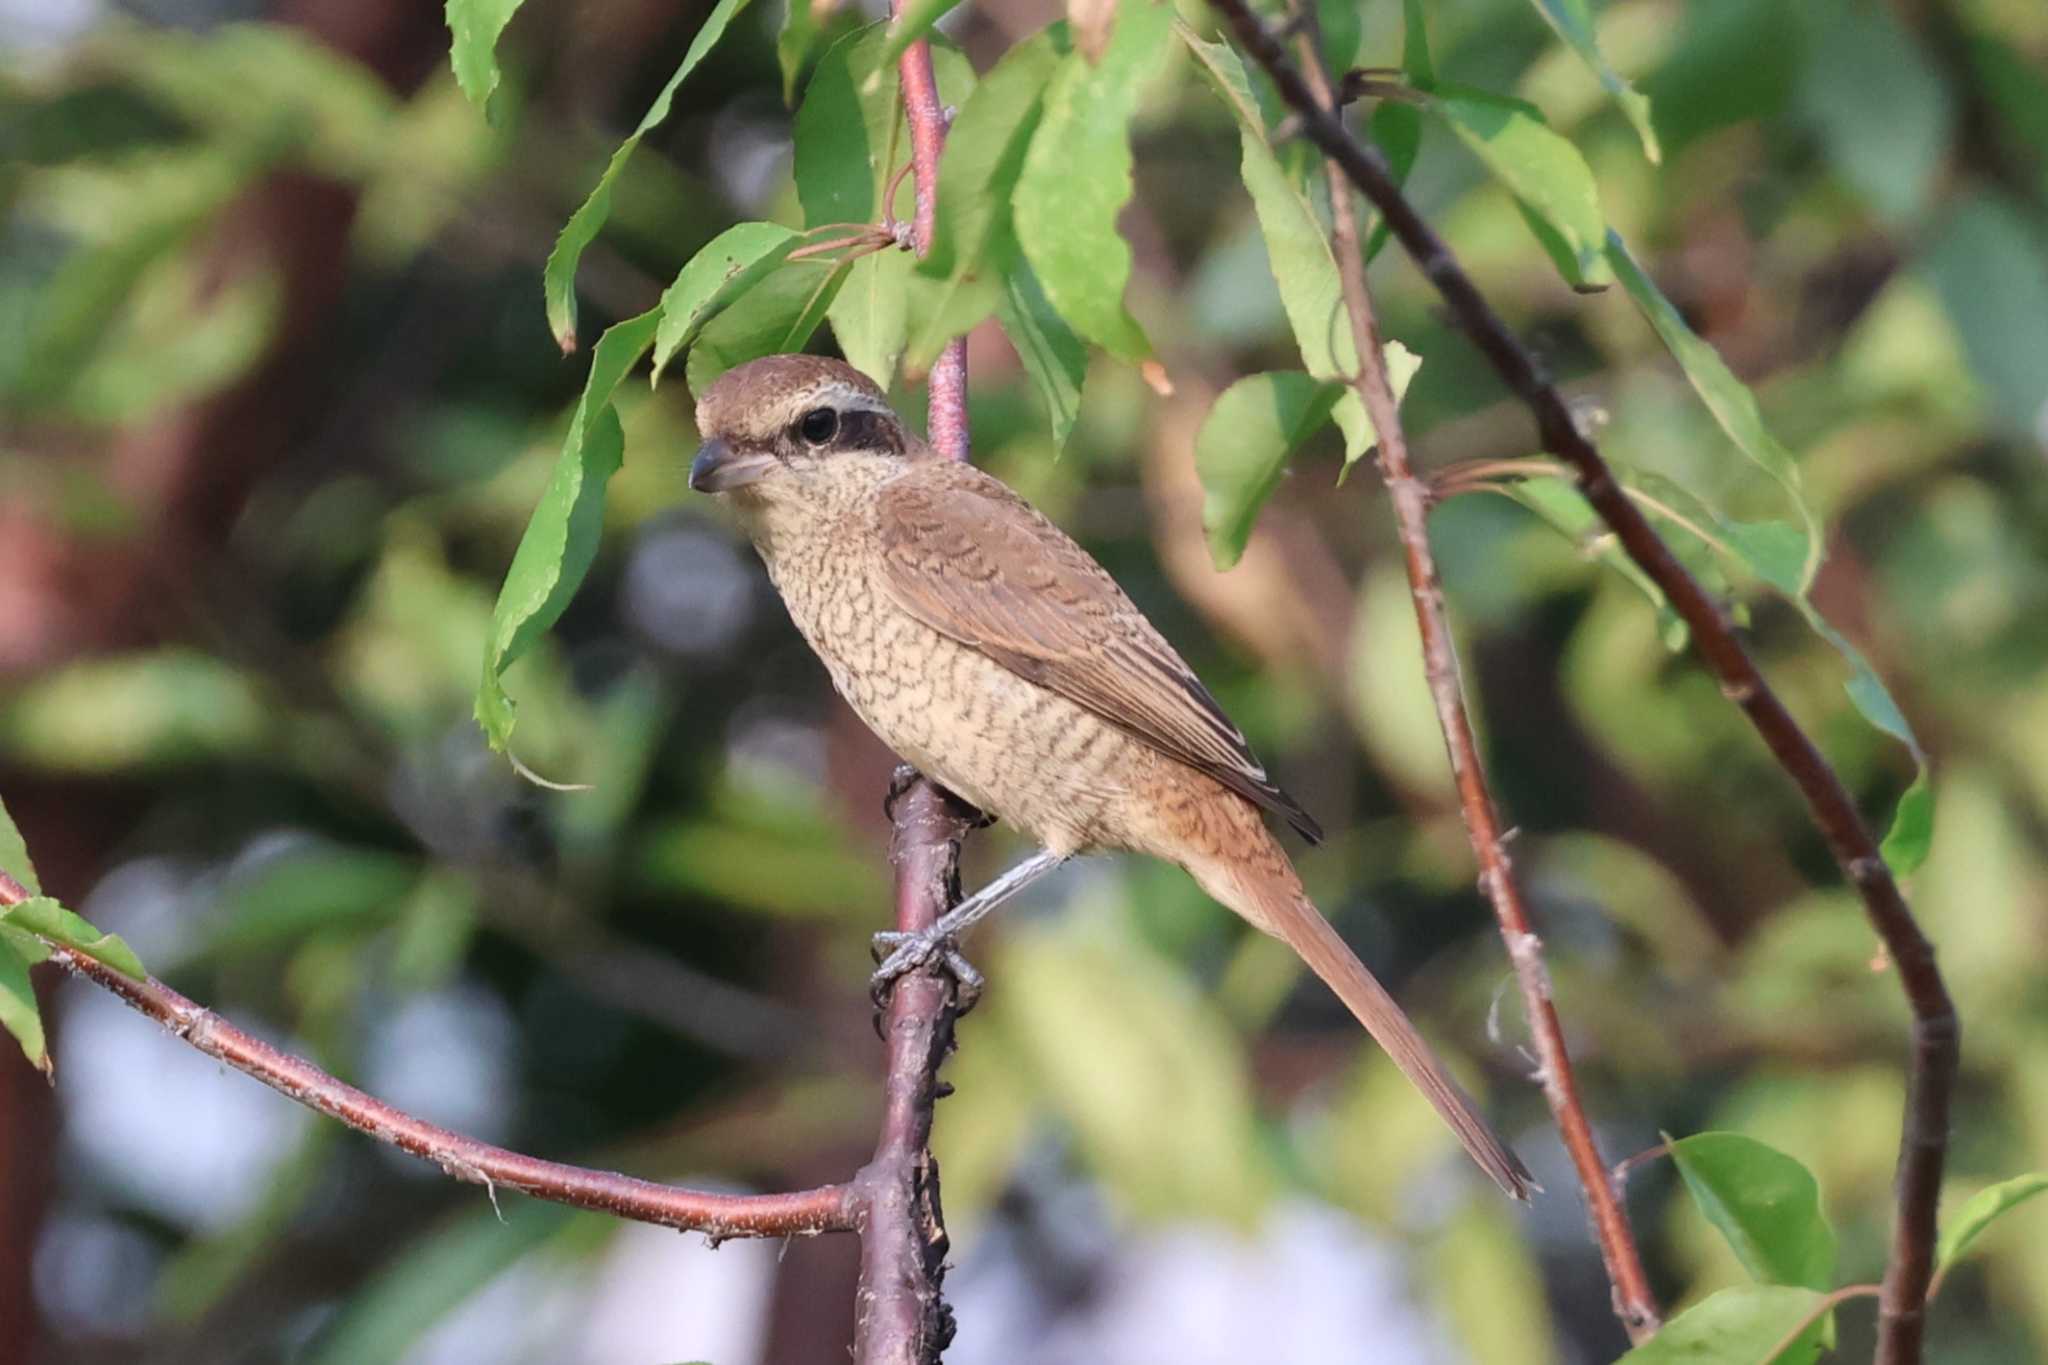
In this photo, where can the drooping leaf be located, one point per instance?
(1573, 20)
(1733, 406)
(793, 44)
(561, 538)
(1053, 356)
(1559, 502)
(1740, 1326)
(43, 917)
(1076, 179)
(779, 314)
(1243, 448)
(1396, 126)
(1417, 67)
(14, 859)
(974, 244)
(1297, 248)
(1985, 1208)
(474, 26)
(1542, 169)
(1764, 1203)
(558, 277)
(726, 267)
(1988, 263)
(20, 1013)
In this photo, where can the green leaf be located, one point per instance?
(1573, 21)
(43, 917)
(974, 242)
(1741, 1326)
(799, 34)
(1559, 502)
(1076, 179)
(1243, 448)
(1545, 173)
(561, 538)
(1733, 406)
(14, 859)
(914, 21)
(1765, 1203)
(475, 26)
(558, 277)
(850, 142)
(1416, 65)
(1297, 248)
(1396, 126)
(726, 267)
(1989, 264)
(1053, 356)
(1983, 1209)
(778, 315)
(1878, 103)
(20, 1012)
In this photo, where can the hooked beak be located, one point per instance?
(720, 469)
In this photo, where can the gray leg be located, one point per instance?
(906, 952)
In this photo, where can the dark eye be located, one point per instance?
(818, 426)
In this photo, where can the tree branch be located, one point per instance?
(829, 1208)
(947, 384)
(1936, 1033)
(1634, 1304)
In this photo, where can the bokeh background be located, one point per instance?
(279, 396)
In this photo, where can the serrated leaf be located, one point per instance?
(726, 267)
(474, 27)
(778, 315)
(1573, 21)
(1740, 1326)
(1076, 179)
(43, 917)
(1764, 1203)
(1243, 447)
(974, 242)
(1985, 1208)
(558, 277)
(1541, 168)
(561, 537)
(1053, 356)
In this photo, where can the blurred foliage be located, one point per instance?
(284, 391)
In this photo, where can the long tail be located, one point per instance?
(1271, 898)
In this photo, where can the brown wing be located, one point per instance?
(974, 561)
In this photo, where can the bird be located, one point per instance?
(997, 657)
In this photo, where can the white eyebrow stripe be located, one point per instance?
(847, 397)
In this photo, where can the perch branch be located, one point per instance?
(947, 384)
(1634, 1303)
(1936, 1031)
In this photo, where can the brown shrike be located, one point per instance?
(989, 650)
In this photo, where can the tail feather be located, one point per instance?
(1281, 909)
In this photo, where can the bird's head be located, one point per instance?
(795, 427)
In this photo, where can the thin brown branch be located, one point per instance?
(829, 1208)
(1936, 1031)
(947, 385)
(1634, 1304)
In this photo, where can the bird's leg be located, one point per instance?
(907, 952)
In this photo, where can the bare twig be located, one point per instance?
(1634, 1304)
(1936, 1033)
(829, 1208)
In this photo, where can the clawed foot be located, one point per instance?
(901, 954)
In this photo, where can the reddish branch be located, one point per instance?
(1936, 1032)
(947, 386)
(1633, 1302)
